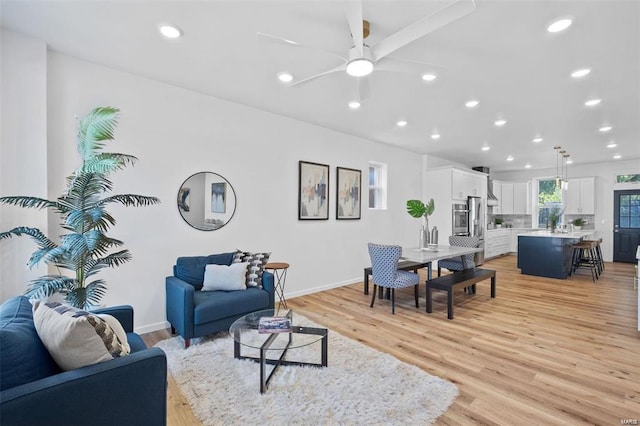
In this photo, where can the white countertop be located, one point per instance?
(509, 229)
(549, 234)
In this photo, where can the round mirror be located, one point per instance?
(206, 201)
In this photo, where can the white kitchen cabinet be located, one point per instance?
(497, 242)
(514, 198)
(579, 198)
(507, 198)
(465, 184)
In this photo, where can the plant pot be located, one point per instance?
(577, 228)
(498, 226)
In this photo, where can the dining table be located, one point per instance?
(431, 254)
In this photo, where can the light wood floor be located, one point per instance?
(544, 351)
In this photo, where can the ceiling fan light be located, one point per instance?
(359, 67)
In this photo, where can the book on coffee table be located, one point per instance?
(274, 325)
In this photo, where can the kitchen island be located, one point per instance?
(547, 254)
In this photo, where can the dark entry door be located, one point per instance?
(626, 225)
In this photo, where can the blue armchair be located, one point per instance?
(35, 391)
(195, 313)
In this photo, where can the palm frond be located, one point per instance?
(49, 285)
(84, 186)
(115, 259)
(130, 200)
(36, 235)
(108, 162)
(88, 296)
(29, 202)
(95, 128)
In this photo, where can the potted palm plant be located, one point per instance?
(418, 209)
(84, 248)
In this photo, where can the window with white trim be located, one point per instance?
(377, 186)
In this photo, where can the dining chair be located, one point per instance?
(460, 263)
(384, 266)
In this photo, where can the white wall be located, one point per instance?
(23, 151)
(175, 133)
(605, 174)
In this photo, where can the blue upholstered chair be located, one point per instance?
(460, 263)
(384, 268)
(34, 391)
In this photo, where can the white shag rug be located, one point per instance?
(360, 385)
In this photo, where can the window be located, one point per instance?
(377, 186)
(627, 178)
(549, 197)
(629, 214)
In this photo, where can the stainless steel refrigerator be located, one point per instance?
(476, 224)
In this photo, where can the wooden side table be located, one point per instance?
(280, 272)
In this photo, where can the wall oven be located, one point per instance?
(460, 219)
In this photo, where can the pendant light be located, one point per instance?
(558, 179)
(565, 181)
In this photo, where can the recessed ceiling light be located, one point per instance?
(605, 129)
(170, 31)
(486, 148)
(500, 122)
(359, 67)
(401, 123)
(285, 77)
(435, 136)
(593, 102)
(559, 25)
(429, 77)
(569, 161)
(617, 157)
(510, 158)
(580, 73)
(354, 104)
(537, 139)
(612, 144)
(527, 166)
(472, 103)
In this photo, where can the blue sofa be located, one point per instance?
(194, 313)
(35, 391)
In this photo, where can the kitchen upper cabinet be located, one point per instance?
(514, 198)
(465, 184)
(497, 191)
(579, 197)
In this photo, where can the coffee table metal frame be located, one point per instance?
(266, 346)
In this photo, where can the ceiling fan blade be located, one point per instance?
(281, 40)
(423, 27)
(341, 67)
(353, 11)
(364, 89)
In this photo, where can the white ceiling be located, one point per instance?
(500, 54)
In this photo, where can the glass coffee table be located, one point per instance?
(245, 333)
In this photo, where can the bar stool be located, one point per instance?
(584, 254)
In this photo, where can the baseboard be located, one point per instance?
(322, 288)
(163, 325)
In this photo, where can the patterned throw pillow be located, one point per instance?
(76, 338)
(256, 262)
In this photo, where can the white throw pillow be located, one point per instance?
(76, 338)
(223, 277)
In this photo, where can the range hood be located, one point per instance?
(492, 200)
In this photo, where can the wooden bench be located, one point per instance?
(466, 278)
(405, 265)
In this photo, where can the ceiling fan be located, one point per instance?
(362, 59)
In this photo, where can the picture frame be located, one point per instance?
(218, 197)
(348, 193)
(313, 191)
